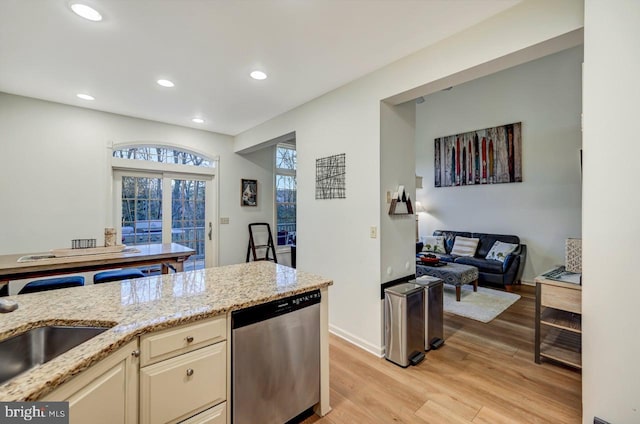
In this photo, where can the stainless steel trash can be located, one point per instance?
(433, 311)
(404, 324)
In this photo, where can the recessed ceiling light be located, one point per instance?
(258, 75)
(198, 120)
(86, 12)
(165, 83)
(85, 96)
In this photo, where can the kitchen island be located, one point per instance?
(136, 308)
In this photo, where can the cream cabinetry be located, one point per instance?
(155, 347)
(106, 393)
(170, 376)
(215, 415)
(184, 373)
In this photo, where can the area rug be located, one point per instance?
(483, 305)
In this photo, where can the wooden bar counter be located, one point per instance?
(169, 255)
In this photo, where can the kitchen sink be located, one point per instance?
(39, 345)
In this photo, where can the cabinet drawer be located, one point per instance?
(177, 388)
(166, 344)
(562, 298)
(215, 415)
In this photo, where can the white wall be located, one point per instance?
(55, 177)
(543, 210)
(611, 228)
(334, 234)
(397, 167)
(256, 165)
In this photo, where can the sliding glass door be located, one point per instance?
(188, 218)
(159, 207)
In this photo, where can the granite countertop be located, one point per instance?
(136, 307)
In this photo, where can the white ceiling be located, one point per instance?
(208, 48)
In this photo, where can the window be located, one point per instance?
(162, 155)
(141, 210)
(167, 196)
(285, 193)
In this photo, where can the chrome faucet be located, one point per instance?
(7, 306)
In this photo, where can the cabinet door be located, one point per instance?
(105, 393)
(180, 387)
(103, 400)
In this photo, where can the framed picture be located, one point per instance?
(249, 192)
(487, 156)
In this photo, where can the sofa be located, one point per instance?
(491, 272)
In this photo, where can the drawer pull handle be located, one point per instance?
(135, 353)
(189, 372)
(189, 339)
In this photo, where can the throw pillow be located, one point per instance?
(499, 251)
(464, 246)
(434, 244)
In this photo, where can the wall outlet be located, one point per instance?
(373, 231)
(224, 220)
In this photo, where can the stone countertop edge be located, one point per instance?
(135, 307)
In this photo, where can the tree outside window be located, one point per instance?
(285, 194)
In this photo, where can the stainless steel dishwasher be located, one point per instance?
(275, 369)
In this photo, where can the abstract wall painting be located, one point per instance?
(330, 177)
(487, 156)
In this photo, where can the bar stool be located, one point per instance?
(117, 275)
(53, 284)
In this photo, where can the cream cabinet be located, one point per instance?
(161, 345)
(215, 415)
(170, 376)
(183, 374)
(106, 393)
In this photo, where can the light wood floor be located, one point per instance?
(485, 373)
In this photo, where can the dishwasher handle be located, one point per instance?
(272, 309)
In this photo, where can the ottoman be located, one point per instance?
(451, 273)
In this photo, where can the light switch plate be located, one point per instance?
(224, 220)
(373, 232)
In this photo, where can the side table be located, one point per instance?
(558, 322)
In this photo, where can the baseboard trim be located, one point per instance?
(355, 340)
(528, 283)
